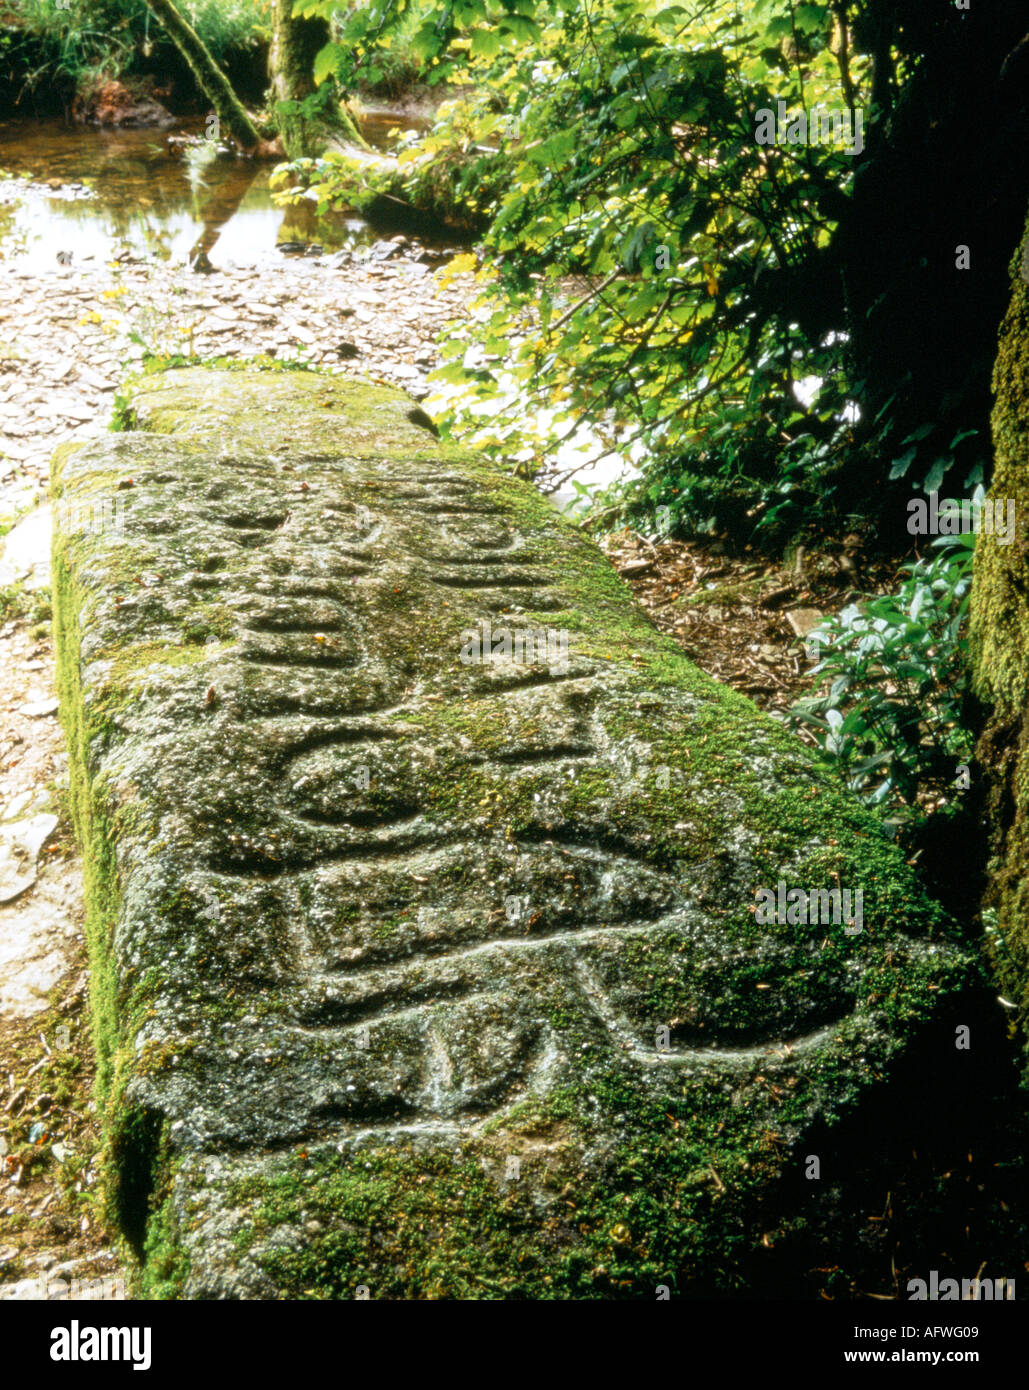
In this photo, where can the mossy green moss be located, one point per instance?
(1000, 654)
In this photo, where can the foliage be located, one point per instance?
(229, 26)
(656, 272)
(459, 167)
(617, 142)
(445, 35)
(393, 64)
(440, 174)
(742, 476)
(893, 675)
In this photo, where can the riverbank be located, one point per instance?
(57, 53)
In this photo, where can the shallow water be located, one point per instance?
(126, 195)
(126, 192)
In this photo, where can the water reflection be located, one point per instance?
(148, 201)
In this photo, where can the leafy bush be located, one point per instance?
(644, 263)
(748, 474)
(649, 263)
(440, 174)
(388, 67)
(65, 45)
(228, 26)
(894, 669)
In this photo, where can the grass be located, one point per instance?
(85, 41)
(13, 603)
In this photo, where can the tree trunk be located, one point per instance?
(1000, 654)
(212, 81)
(295, 45)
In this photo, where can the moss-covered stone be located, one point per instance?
(1000, 655)
(425, 975)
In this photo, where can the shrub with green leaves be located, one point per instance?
(444, 173)
(651, 267)
(892, 672)
(638, 226)
(738, 479)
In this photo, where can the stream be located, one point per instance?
(134, 197)
(104, 194)
(118, 242)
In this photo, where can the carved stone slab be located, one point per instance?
(424, 877)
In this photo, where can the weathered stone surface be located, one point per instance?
(20, 845)
(383, 940)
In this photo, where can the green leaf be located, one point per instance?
(936, 475)
(900, 466)
(486, 43)
(328, 60)
(812, 19)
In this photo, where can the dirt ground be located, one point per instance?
(51, 1231)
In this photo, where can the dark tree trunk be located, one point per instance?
(948, 168)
